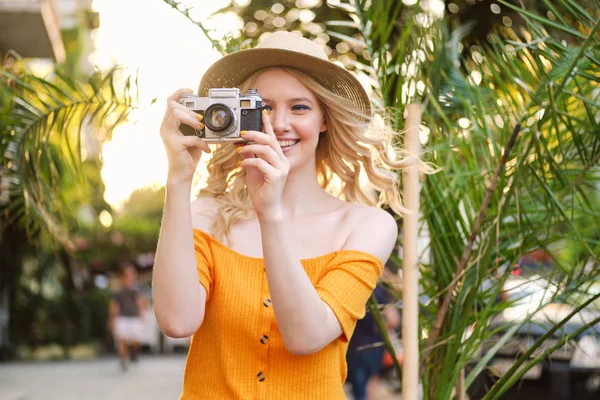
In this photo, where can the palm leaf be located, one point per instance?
(42, 143)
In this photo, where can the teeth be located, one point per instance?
(286, 143)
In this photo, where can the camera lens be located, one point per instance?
(218, 118)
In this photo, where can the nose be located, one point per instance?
(279, 121)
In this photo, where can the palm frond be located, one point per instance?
(42, 142)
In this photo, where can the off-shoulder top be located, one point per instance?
(238, 352)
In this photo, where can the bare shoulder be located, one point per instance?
(204, 211)
(373, 231)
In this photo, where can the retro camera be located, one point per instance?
(225, 113)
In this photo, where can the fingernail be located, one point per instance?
(266, 112)
(238, 164)
(199, 117)
(190, 90)
(238, 149)
(201, 125)
(242, 133)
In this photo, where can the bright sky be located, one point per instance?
(171, 52)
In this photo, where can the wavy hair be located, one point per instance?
(356, 161)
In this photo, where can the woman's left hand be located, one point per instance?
(267, 169)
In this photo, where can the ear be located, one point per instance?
(323, 127)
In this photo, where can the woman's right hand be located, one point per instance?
(183, 152)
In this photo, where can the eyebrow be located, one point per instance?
(294, 100)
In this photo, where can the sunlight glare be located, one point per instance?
(464, 123)
(105, 218)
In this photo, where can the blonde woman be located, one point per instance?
(271, 267)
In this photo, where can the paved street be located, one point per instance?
(153, 378)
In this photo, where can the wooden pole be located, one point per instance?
(461, 393)
(410, 268)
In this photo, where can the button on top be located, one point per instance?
(267, 303)
(261, 377)
(264, 339)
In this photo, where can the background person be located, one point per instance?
(125, 320)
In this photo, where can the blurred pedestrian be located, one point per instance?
(366, 350)
(271, 266)
(125, 320)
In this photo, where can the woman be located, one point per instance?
(283, 268)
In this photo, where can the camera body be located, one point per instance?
(225, 113)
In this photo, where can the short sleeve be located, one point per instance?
(204, 260)
(347, 285)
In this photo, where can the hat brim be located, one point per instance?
(233, 69)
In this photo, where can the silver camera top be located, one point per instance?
(224, 93)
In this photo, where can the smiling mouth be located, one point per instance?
(287, 143)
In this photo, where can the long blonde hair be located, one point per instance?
(348, 152)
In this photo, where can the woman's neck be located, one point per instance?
(302, 193)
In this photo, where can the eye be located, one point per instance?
(300, 107)
(267, 107)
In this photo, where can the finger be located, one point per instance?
(175, 105)
(266, 139)
(244, 156)
(264, 167)
(204, 146)
(178, 117)
(267, 153)
(267, 127)
(238, 147)
(175, 96)
(258, 137)
(193, 141)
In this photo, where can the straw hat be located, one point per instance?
(286, 49)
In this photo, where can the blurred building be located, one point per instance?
(31, 28)
(34, 28)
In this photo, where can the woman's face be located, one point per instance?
(295, 114)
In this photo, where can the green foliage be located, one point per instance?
(42, 141)
(145, 202)
(134, 231)
(65, 320)
(49, 173)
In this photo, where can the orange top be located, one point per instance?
(238, 352)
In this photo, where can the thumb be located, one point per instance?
(194, 141)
